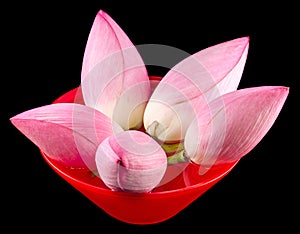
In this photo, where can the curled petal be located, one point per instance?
(193, 83)
(225, 63)
(68, 133)
(234, 125)
(111, 66)
(131, 161)
(105, 38)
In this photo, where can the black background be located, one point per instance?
(43, 45)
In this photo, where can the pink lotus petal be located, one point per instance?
(191, 84)
(68, 133)
(234, 125)
(131, 161)
(111, 66)
(102, 42)
(225, 63)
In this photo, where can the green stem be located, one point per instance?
(94, 173)
(177, 158)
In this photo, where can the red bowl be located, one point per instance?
(181, 185)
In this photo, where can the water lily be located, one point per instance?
(127, 130)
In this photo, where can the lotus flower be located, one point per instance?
(127, 130)
(131, 161)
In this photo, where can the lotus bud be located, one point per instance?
(68, 133)
(131, 161)
(235, 123)
(114, 79)
(190, 85)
